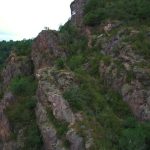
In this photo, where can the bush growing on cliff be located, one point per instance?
(21, 113)
(23, 86)
(22, 117)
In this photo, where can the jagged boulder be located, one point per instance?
(77, 12)
(46, 48)
(48, 92)
(75, 140)
(50, 84)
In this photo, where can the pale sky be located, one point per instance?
(21, 19)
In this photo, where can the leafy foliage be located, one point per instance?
(126, 10)
(20, 47)
(23, 86)
(21, 113)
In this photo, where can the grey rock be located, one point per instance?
(51, 141)
(77, 12)
(75, 140)
(126, 89)
(46, 48)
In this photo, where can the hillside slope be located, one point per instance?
(84, 87)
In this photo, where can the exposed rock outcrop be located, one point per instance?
(77, 12)
(5, 129)
(51, 83)
(128, 78)
(49, 96)
(46, 48)
(16, 66)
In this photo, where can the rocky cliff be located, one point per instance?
(78, 90)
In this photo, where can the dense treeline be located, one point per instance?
(20, 47)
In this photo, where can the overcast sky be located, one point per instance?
(21, 19)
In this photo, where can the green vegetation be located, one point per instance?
(22, 115)
(113, 125)
(21, 48)
(97, 11)
(118, 127)
(61, 127)
(23, 86)
(140, 43)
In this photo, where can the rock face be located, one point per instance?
(128, 78)
(117, 67)
(47, 130)
(16, 66)
(77, 13)
(50, 97)
(75, 140)
(46, 48)
(48, 85)
(51, 83)
(5, 129)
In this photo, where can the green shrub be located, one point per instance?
(20, 113)
(23, 48)
(94, 17)
(60, 63)
(75, 97)
(115, 102)
(75, 62)
(33, 138)
(132, 139)
(141, 44)
(127, 10)
(23, 86)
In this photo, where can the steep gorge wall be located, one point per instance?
(53, 112)
(51, 82)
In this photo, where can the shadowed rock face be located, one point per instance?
(15, 66)
(5, 129)
(77, 8)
